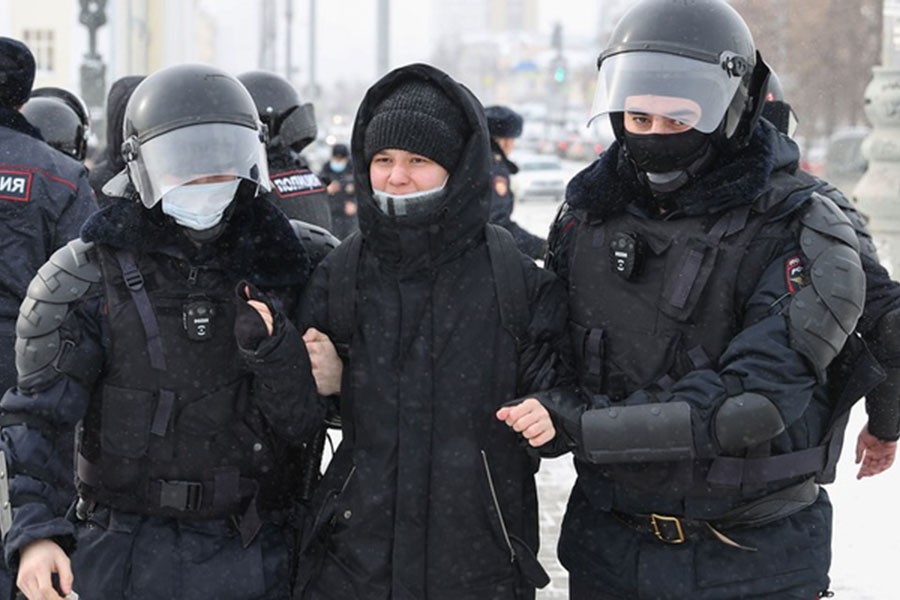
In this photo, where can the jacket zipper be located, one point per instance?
(490, 481)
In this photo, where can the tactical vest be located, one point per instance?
(171, 430)
(676, 313)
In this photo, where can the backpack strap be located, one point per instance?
(509, 280)
(342, 288)
(342, 310)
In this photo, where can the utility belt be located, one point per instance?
(224, 495)
(671, 529)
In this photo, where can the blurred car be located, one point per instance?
(844, 160)
(539, 176)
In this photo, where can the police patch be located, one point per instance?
(794, 273)
(15, 185)
(296, 183)
(501, 185)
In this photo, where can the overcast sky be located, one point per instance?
(346, 33)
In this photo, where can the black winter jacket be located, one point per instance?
(429, 365)
(44, 199)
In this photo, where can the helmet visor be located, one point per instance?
(189, 153)
(694, 92)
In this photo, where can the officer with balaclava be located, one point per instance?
(710, 290)
(291, 126)
(505, 126)
(159, 336)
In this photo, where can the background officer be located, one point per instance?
(296, 190)
(505, 125)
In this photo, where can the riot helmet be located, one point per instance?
(71, 100)
(60, 126)
(187, 123)
(291, 124)
(692, 62)
(776, 109)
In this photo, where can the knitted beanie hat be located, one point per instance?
(420, 118)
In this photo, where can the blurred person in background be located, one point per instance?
(111, 162)
(337, 174)
(505, 126)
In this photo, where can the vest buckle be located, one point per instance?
(181, 495)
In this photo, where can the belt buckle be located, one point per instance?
(663, 524)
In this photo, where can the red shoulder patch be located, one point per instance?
(795, 273)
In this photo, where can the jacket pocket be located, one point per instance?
(126, 416)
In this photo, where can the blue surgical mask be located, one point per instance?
(337, 167)
(199, 206)
(401, 205)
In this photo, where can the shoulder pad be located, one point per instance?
(317, 240)
(824, 313)
(823, 223)
(67, 275)
(62, 280)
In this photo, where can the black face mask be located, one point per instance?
(664, 153)
(666, 162)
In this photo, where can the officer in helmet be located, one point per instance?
(291, 127)
(710, 291)
(60, 125)
(160, 334)
(505, 126)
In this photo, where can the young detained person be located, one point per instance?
(430, 495)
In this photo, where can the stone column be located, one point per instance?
(878, 192)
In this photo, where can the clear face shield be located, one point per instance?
(199, 151)
(688, 90)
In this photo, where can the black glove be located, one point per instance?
(249, 327)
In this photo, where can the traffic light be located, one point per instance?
(559, 74)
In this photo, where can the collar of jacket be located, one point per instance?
(424, 242)
(501, 155)
(258, 245)
(13, 119)
(609, 185)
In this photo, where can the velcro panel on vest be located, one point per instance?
(644, 433)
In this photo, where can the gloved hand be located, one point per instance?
(254, 318)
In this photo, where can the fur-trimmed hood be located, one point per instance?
(610, 184)
(258, 245)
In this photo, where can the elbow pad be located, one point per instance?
(825, 312)
(642, 433)
(746, 420)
